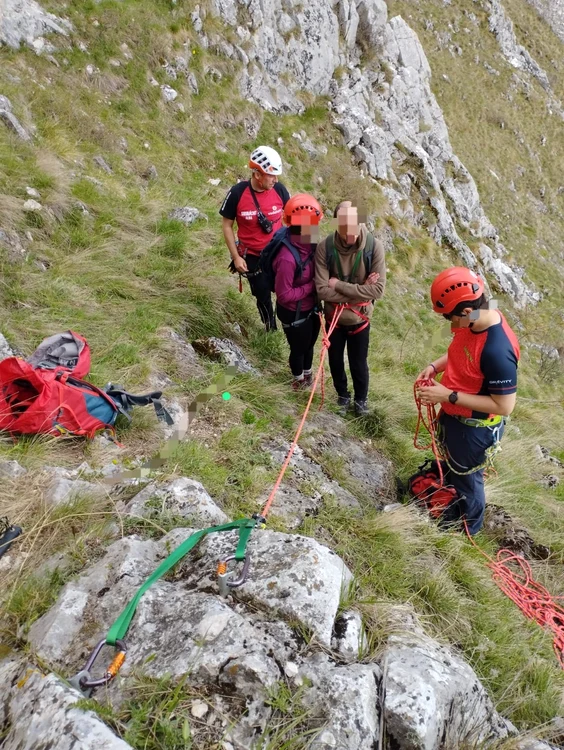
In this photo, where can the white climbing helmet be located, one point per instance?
(266, 160)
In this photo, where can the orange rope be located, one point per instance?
(320, 374)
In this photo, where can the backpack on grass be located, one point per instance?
(426, 488)
(46, 394)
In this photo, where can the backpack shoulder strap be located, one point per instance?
(369, 252)
(124, 401)
(329, 251)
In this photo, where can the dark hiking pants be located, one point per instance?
(260, 290)
(357, 352)
(301, 338)
(466, 448)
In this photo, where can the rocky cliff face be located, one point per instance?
(377, 78)
(553, 13)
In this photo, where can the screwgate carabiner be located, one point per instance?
(224, 576)
(84, 682)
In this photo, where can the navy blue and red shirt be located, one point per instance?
(482, 363)
(239, 206)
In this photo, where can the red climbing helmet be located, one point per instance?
(301, 209)
(457, 284)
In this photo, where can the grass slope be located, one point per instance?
(122, 271)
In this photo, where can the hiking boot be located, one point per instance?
(361, 408)
(298, 385)
(308, 379)
(343, 402)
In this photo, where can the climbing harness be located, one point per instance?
(429, 419)
(84, 680)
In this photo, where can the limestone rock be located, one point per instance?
(62, 490)
(9, 118)
(225, 351)
(432, 698)
(32, 206)
(348, 640)
(182, 497)
(40, 711)
(26, 21)
(348, 696)
(386, 110)
(182, 353)
(553, 13)
(100, 162)
(5, 348)
(517, 56)
(372, 472)
(302, 492)
(291, 575)
(64, 636)
(168, 93)
(13, 244)
(186, 215)
(11, 469)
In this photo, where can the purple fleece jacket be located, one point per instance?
(290, 289)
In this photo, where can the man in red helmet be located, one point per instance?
(477, 391)
(256, 205)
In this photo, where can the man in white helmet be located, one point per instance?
(256, 205)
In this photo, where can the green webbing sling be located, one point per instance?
(121, 625)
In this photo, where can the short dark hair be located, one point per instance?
(474, 304)
(339, 204)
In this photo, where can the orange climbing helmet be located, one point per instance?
(455, 285)
(302, 209)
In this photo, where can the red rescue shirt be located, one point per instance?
(239, 206)
(482, 363)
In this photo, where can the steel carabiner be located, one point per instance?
(224, 576)
(84, 682)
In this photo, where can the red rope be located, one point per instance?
(427, 418)
(532, 598)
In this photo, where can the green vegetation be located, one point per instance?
(105, 259)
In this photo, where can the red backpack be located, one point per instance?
(46, 395)
(429, 491)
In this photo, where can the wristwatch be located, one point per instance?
(453, 398)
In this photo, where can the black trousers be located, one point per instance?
(301, 339)
(261, 292)
(357, 351)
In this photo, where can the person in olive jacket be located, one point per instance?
(350, 268)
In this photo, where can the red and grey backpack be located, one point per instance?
(46, 394)
(429, 491)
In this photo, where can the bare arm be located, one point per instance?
(438, 394)
(229, 235)
(432, 369)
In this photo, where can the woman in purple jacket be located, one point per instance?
(294, 284)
